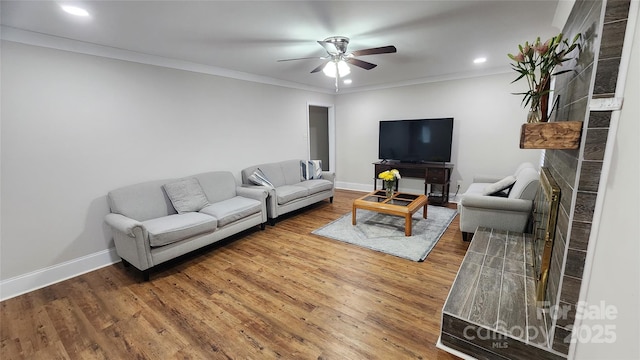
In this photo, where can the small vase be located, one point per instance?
(388, 188)
(534, 116)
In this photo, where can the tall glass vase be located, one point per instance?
(389, 186)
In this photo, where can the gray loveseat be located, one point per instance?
(290, 191)
(148, 229)
(507, 210)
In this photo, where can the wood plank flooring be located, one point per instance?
(278, 293)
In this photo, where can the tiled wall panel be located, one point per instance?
(578, 172)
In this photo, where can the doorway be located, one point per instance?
(321, 125)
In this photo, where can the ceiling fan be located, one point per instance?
(337, 58)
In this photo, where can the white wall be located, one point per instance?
(76, 126)
(614, 281)
(487, 121)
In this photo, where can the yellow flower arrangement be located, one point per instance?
(389, 177)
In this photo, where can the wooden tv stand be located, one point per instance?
(438, 175)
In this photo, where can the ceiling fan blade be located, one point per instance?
(320, 67)
(304, 58)
(379, 50)
(363, 64)
(330, 47)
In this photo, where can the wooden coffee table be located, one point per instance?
(400, 204)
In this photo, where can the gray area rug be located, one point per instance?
(385, 233)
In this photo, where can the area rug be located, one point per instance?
(385, 233)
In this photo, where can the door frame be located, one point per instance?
(331, 119)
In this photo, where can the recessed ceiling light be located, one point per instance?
(479, 60)
(74, 10)
(348, 81)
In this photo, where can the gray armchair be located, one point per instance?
(511, 211)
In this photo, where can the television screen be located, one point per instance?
(422, 140)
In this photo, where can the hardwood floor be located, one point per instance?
(277, 293)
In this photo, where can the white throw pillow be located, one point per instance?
(311, 169)
(186, 195)
(259, 178)
(497, 187)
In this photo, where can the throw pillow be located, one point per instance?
(315, 167)
(259, 178)
(186, 195)
(496, 188)
(311, 169)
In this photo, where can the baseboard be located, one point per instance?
(455, 352)
(353, 186)
(50, 275)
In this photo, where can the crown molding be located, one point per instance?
(54, 42)
(59, 43)
(433, 79)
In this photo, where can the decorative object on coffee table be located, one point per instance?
(389, 177)
(535, 63)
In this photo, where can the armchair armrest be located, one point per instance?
(269, 191)
(328, 175)
(123, 224)
(496, 203)
(487, 179)
(258, 193)
(131, 240)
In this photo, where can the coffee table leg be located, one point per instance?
(407, 225)
(353, 216)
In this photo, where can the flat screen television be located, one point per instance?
(417, 141)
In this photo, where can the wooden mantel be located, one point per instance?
(561, 135)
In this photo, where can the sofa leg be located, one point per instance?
(125, 263)
(145, 275)
(331, 200)
(466, 236)
(263, 226)
(272, 221)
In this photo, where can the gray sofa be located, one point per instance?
(148, 229)
(508, 210)
(290, 191)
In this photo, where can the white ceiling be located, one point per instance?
(435, 39)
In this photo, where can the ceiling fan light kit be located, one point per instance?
(336, 68)
(336, 63)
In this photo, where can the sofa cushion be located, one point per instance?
(287, 193)
(526, 185)
(169, 229)
(228, 211)
(274, 173)
(186, 195)
(476, 189)
(499, 186)
(259, 178)
(142, 201)
(291, 171)
(316, 186)
(217, 185)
